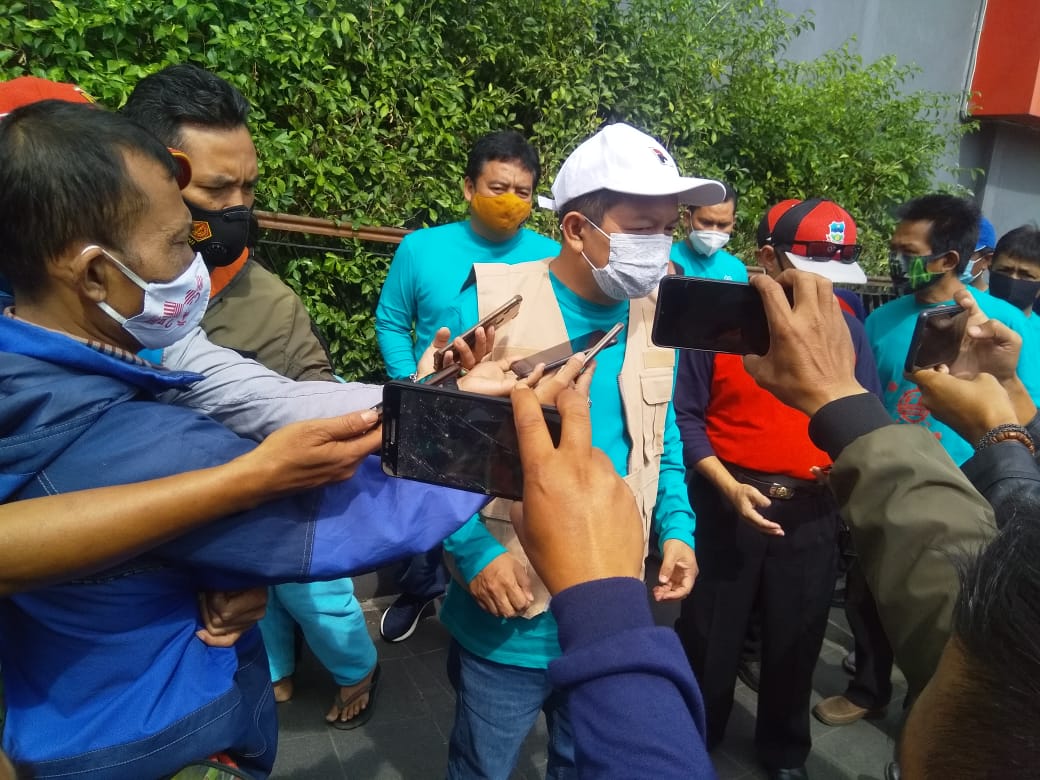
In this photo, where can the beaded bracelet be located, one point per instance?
(1006, 432)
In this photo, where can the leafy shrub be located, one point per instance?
(365, 111)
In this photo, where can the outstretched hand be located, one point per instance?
(315, 452)
(971, 407)
(578, 521)
(811, 360)
(983, 381)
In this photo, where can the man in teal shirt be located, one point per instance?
(1015, 272)
(931, 246)
(431, 265)
(617, 199)
(708, 229)
(425, 277)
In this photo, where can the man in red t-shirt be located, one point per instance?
(766, 527)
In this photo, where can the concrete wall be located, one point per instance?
(939, 37)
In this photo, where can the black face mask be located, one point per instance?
(1020, 293)
(220, 236)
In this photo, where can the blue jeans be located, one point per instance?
(495, 707)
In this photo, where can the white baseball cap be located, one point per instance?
(622, 159)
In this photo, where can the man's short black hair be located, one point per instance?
(64, 178)
(730, 197)
(181, 95)
(505, 145)
(989, 724)
(593, 204)
(955, 223)
(1022, 243)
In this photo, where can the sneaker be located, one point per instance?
(401, 617)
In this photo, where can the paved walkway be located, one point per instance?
(408, 734)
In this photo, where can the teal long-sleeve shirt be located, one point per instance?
(426, 276)
(533, 642)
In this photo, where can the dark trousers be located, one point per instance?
(423, 576)
(792, 577)
(871, 686)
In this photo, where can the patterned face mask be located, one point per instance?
(910, 273)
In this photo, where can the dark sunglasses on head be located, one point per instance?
(822, 251)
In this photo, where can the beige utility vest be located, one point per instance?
(645, 383)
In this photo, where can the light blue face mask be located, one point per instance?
(968, 276)
(635, 265)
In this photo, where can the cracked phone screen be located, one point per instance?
(461, 440)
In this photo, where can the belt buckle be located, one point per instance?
(780, 491)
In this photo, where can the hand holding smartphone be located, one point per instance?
(454, 438)
(591, 344)
(710, 315)
(495, 319)
(938, 338)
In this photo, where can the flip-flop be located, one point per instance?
(366, 714)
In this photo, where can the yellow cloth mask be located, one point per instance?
(504, 213)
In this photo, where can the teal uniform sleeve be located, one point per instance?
(673, 516)
(395, 315)
(473, 548)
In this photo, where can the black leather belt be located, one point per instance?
(778, 485)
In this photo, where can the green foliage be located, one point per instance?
(365, 111)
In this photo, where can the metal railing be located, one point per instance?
(339, 238)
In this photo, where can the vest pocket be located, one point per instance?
(656, 387)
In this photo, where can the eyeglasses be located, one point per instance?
(824, 251)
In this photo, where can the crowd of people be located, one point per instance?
(186, 480)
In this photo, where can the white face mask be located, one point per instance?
(708, 242)
(171, 309)
(635, 265)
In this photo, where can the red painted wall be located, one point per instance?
(1007, 64)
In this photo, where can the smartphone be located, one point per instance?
(937, 339)
(497, 318)
(454, 438)
(710, 315)
(554, 357)
(609, 338)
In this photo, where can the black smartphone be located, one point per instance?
(497, 318)
(937, 339)
(454, 438)
(710, 315)
(554, 357)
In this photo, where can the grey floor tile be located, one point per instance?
(307, 758)
(408, 734)
(397, 750)
(729, 768)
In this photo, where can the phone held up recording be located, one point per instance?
(938, 338)
(449, 437)
(710, 315)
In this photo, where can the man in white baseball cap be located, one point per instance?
(617, 199)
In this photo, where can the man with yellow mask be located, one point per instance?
(425, 278)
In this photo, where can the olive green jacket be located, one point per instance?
(914, 515)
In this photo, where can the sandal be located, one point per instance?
(366, 714)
